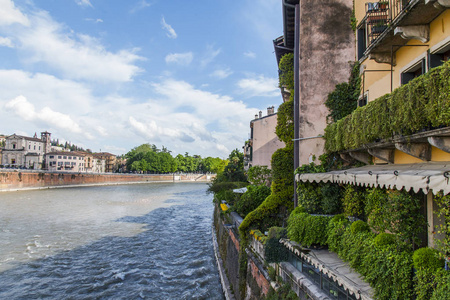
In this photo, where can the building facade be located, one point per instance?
(25, 152)
(263, 140)
(65, 161)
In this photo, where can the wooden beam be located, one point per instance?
(346, 157)
(386, 155)
(440, 142)
(419, 150)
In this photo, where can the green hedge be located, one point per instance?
(308, 229)
(422, 103)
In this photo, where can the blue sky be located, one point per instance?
(114, 74)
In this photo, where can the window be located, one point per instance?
(60, 163)
(14, 146)
(51, 156)
(438, 57)
(29, 147)
(64, 157)
(362, 101)
(413, 72)
(59, 156)
(34, 147)
(361, 35)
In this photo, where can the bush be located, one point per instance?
(427, 258)
(299, 209)
(309, 197)
(359, 226)
(308, 230)
(336, 228)
(384, 239)
(353, 201)
(442, 290)
(274, 251)
(277, 232)
(251, 199)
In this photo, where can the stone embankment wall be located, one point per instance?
(257, 280)
(22, 179)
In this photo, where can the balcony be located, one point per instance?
(382, 31)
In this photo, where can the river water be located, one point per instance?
(144, 241)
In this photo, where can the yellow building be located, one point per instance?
(401, 130)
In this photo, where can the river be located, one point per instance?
(143, 241)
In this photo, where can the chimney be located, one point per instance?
(256, 116)
(270, 110)
(260, 114)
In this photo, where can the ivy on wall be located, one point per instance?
(396, 113)
(343, 100)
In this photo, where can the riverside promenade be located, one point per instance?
(17, 179)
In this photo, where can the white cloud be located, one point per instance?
(180, 58)
(26, 110)
(9, 14)
(83, 3)
(221, 73)
(75, 56)
(140, 5)
(94, 20)
(6, 42)
(250, 54)
(209, 56)
(259, 86)
(170, 32)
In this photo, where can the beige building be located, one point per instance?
(25, 152)
(111, 163)
(263, 141)
(65, 161)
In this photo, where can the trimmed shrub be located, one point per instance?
(359, 226)
(384, 239)
(353, 201)
(336, 228)
(442, 290)
(427, 258)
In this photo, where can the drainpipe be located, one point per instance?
(296, 97)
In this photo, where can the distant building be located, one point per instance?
(65, 161)
(98, 163)
(26, 152)
(111, 163)
(263, 141)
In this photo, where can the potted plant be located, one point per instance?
(383, 5)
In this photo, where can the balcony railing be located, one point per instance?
(380, 15)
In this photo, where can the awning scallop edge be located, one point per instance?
(432, 176)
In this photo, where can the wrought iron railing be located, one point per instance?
(380, 15)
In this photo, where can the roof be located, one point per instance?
(25, 138)
(65, 153)
(431, 176)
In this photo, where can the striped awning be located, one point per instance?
(432, 176)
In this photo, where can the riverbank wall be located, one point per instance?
(256, 281)
(26, 179)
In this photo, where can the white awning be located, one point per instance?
(432, 176)
(240, 191)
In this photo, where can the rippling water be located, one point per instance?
(134, 241)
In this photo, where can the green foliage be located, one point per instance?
(443, 203)
(259, 175)
(353, 201)
(405, 217)
(308, 229)
(359, 226)
(331, 198)
(336, 229)
(277, 232)
(396, 113)
(309, 196)
(376, 209)
(283, 169)
(427, 258)
(285, 122)
(251, 199)
(274, 251)
(286, 68)
(386, 269)
(343, 100)
(299, 209)
(384, 239)
(442, 290)
(234, 170)
(283, 293)
(272, 273)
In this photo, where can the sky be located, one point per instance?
(110, 75)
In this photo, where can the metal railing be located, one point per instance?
(380, 15)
